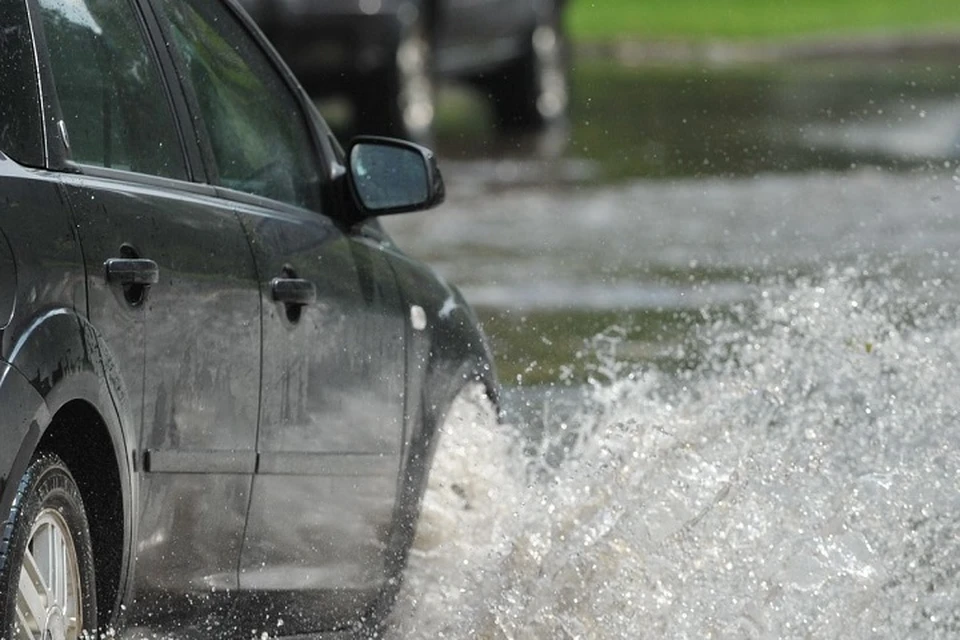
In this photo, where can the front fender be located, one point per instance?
(25, 418)
(48, 355)
(459, 354)
(57, 359)
(60, 354)
(446, 350)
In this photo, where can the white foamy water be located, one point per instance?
(803, 482)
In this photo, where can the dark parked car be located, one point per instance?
(386, 55)
(220, 379)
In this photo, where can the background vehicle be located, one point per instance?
(220, 379)
(386, 55)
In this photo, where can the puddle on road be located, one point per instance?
(550, 268)
(784, 118)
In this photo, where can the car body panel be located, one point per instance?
(451, 351)
(45, 339)
(331, 421)
(188, 355)
(48, 265)
(475, 36)
(26, 416)
(22, 133)
(51, 355)
(331, 415)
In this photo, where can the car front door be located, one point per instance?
(173, 295)
(331, 415)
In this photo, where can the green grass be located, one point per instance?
(598, 20)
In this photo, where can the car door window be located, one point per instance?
(20, 132)
(111, 96)
(257, 132)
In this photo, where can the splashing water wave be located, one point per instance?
(802, 481)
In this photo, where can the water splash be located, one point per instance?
(802, 481)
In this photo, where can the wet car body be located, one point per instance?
(240, 370)
(358, 49)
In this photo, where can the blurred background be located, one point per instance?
(708, 150)
(639, 166)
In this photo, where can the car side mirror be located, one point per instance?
(390, 176)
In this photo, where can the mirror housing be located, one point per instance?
(389, 176)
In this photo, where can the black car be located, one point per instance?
(221, 381)
(385, 55)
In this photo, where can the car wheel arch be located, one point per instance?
(76, 418)
(79, 435)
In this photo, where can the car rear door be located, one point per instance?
(172, 291)
(331, 416)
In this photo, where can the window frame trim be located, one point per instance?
(35, 76)
(191, 116)
(197, 168)
(57, 149)
(55, 153)
(142, 179)
(323, 154)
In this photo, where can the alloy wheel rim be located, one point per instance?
(49, 595)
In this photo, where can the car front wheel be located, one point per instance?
(46, 559)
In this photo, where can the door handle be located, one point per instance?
(293, 291)
(132, 271)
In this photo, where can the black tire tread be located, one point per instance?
(30, 483)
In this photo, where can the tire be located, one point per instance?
(399, 101)
(47, 515)
(532, 93)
